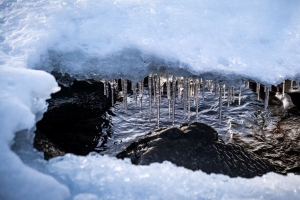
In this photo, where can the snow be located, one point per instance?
(131, 38)
(257, 39)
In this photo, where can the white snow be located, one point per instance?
(130, 38)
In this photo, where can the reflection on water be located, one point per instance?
(247, 118)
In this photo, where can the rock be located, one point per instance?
(279, 144)
(75, 120)
(197, 147)
(44, 144)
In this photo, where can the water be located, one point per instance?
(133, 121)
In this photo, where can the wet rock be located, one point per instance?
(76, 120)
(279, 145)
(44, 144)
(197, 147)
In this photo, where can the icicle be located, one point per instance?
(267, 98)
(195, 90)
(240, 95)
(192, 88)
(133, 88)
(112, 85)
(150, 95)
(203, 88)
(188, 97)
(232, 95)
(283, 88)
(169, 94)
(158, 92)
(124, 91)
(216, 91)
(229, 96)
(104, 88)
(180, 88)
(196, 98)
(211, 86)
(141, 90)
(185, 94)
(173, 99)
(247, 85)
(292, 84)
(220, 105)
(257, 90)
(224, 88)
(154, 88)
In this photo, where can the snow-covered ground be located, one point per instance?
(131, 38)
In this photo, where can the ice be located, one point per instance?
(188, 98)
(124, 92)
(258, 90)
(220, 104)
(267, 97)
(196, 97)
(256, 40)
(169, 93)
(141, 91)
(150, 96)
(158, 96)
(240, 95)
(112, 88)
(174, 79)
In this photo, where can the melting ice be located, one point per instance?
(255, 39)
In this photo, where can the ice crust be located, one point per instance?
(129, 38)
(108, 39)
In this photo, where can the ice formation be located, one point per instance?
(130, 39)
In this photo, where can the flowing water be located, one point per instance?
(145, 108)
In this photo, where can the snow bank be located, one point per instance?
(131, 38)
(108, 178)
(22, 100)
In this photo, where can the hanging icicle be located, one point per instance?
(178, 88)
(220, 105)
(283, 88)
(196, 95)
(141, 90)
(158, 94)
(216, 89)
(211, 86)
(188, 97)
(150, 95)
(229, 96)
(173, 99)
(224, 89)
(169, 93)
(124, 91)
(154, 79)
(257, 90)
(240, 95)
(203, 88)
(267, 97)
(247, 84)
(184, 94)
(134, 90)
(112, 87)
(104, 88)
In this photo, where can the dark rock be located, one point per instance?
(280, 144)
(196, 147)
(50, 149)
(76, 120)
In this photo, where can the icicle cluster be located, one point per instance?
(180, 92)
